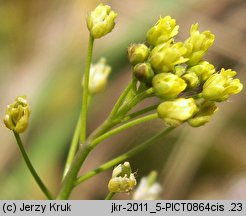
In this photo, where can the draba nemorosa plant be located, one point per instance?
(188, 88)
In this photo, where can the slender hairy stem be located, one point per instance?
(121, 99)
(140, 112)
(73, 147)
(85, 91)
(124, 156)
(110, 195)
(123, 127)
(31, 168)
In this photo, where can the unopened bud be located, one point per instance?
(137, 53)
(191, 80)
(177, 111)
(168, 85)
(179, 70)
(17, 114)
(122, 170)
(98, 79)
(101, 21)
(122, 180)
(165, 56)
(122, 184)
(203, 70)
(206, 110)
(144, 72)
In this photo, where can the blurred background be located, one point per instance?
(42, 55)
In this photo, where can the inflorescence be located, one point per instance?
(188, 85)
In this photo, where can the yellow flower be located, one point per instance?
(197, 44)
(177, 111)
(101, 21)
(221, 85)
(206, 110)
(203, 70)
(162, 31)
(168, 85)
(191, 80)
(165, 56)
(17, 114)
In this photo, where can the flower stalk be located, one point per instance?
(73, 148)
(86, 91)
(31, 168)
(126, 156)
(110, 195)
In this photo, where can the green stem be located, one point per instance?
(112, 119)
(140, 112)
(123, 127)
(73, 148)
(110, 195)
(138, 98)
(67, 184)
(123, 157)
(74, 143)
(121, 99)
(86, 91)
(86, 147)
(31, 168)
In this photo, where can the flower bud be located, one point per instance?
(177, 111)
(98, 79)
(191, 80)
(122, 184)
(148, 188)
(137, 53)
(162, 31)
(165, 56)
(168, 85)
(206, 110)
(203, 70)
(143, 72)
(179, 70)
(101, 21)
(221, 85)
(17, 114)
(122, 170)
(197, 44)
(122, 180)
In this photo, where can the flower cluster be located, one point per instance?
(179, 75)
